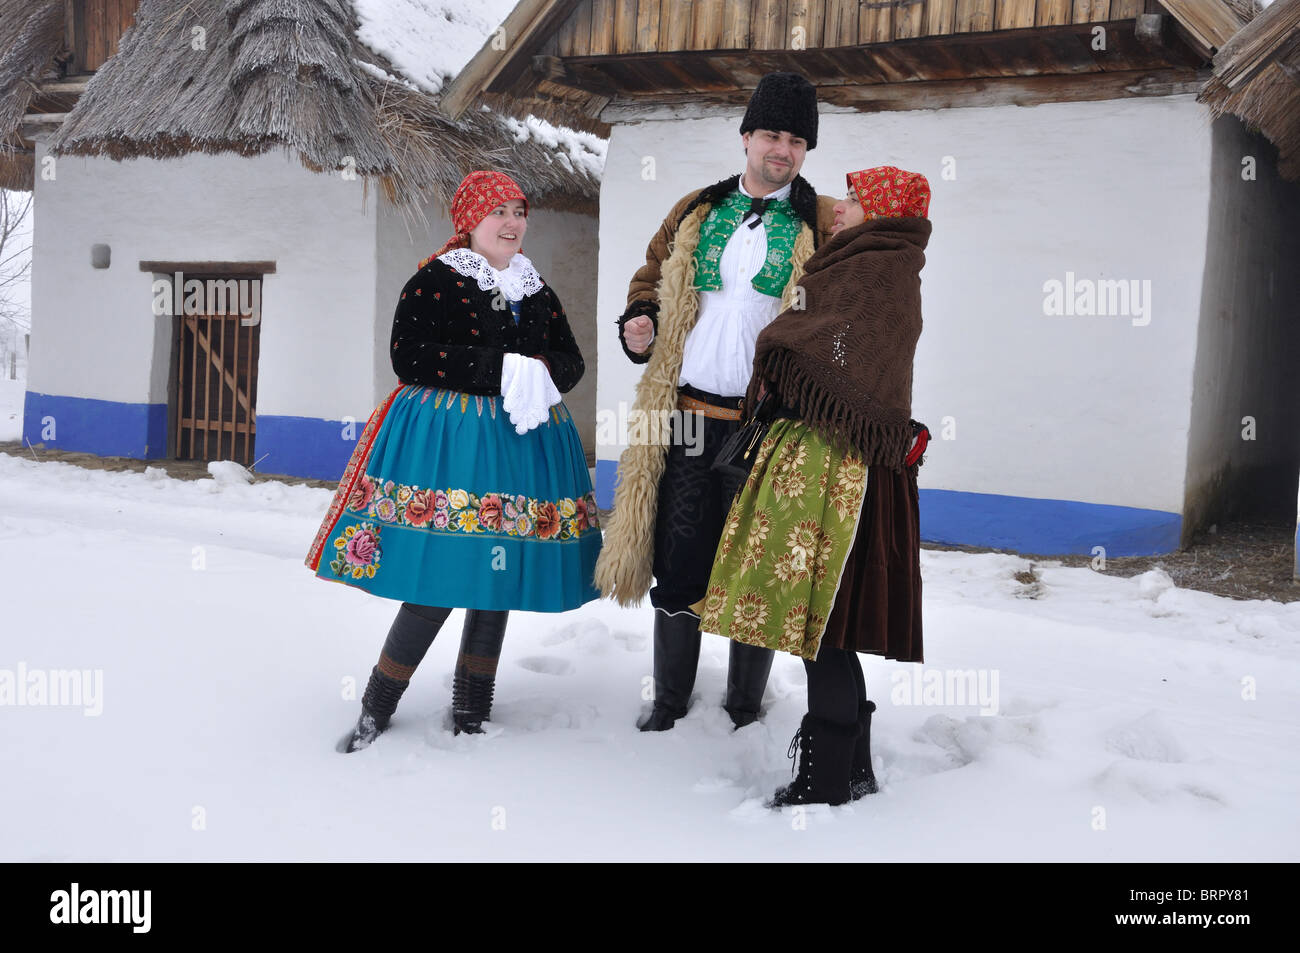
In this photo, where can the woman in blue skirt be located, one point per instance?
(469, 486)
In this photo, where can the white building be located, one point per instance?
(1111, 290)
(301, 161)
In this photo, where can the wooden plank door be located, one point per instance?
(216, 392)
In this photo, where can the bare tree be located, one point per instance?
(15, 272)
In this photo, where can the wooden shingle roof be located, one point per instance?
(622, 60)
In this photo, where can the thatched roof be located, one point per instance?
(292, 74)
(31, 35)
(1257, 79)
(272, 73)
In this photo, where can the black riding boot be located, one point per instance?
(864, 777)
(825, 752)
(677, 656)
(377, 706)
(476, 670)
(747, 671)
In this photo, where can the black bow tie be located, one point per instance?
(757, 207)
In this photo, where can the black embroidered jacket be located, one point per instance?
(447, 333)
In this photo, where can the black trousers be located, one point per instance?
(836, 686)
(693, 506)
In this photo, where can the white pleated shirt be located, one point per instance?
(719, 354)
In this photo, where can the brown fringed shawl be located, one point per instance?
(845, 359)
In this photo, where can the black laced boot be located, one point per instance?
(825, 753)
(863, 781)
(476, 670)
(377, 706)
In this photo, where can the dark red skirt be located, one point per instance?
(878, 605)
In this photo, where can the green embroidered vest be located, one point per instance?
(782, 225)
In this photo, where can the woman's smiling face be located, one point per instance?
(499, 236)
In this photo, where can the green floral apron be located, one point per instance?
(785, 543)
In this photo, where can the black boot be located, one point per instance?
(825, 752)
(747, 671)
(377, 706)
(864, 777)
(677, 656)
(476, 670)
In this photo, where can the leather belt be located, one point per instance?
(709, 410)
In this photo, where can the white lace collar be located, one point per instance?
(519, 280)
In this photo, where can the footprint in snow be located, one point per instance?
(978, 735)
(944, 743)
(545, 665)
(1161, 782)
(565, 633)
(545, 712)
(591, 637)
(632, 641)
(1149, 738)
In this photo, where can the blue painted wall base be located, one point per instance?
(293, 446)
(305, 446)
(1048, 527)
(1016, 523)
(106, 428)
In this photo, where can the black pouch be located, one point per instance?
(736, 458)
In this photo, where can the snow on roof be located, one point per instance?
(429, 41)
(573, 149)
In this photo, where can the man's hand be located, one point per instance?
(637, 333)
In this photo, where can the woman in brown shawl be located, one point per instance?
(820, 556)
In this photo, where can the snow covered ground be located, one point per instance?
(1134, 720)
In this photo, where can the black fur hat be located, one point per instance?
(783, 102)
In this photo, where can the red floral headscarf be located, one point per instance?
(478, 194)
(889, 192)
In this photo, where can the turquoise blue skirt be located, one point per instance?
(443, 504)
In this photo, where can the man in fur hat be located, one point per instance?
(722, 265)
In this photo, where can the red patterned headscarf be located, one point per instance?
(888, 192)
(478, 194)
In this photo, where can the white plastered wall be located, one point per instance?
(94, 333)
(1094, 408)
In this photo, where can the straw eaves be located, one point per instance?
(1257, 79)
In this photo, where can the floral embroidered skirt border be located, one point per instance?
(444, 504)
(785, 543)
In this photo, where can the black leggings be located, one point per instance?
(836, 686)
(416, 626)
